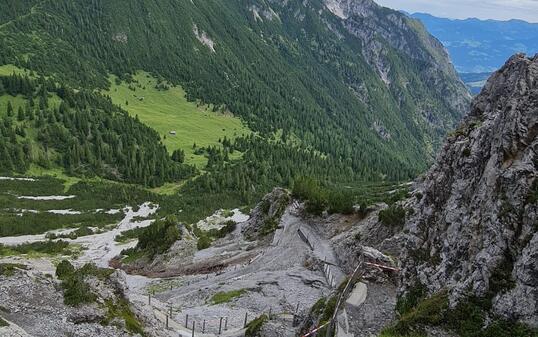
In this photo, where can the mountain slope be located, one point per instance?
(377, 104)
(478, 46)
(474, 230)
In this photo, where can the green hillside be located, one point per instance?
(307, 77)
(166, 110)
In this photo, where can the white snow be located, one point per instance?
(50, 197)
(64, 212)
(17, 179)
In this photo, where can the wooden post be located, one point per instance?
(187, 321)
(220, 326)
(246, 317)
(203, 327)
(166, 321)
(270, 312)
(149, 299)
(193, 327)
(226, 324)
(170, 310)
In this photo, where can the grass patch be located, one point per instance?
(121, 310)
(227, 296)
(167, 110)
(9, 269)
(3, 323)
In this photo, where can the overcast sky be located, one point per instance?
(462, 9)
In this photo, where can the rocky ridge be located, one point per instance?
(474, 231)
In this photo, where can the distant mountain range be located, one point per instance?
(482, 46)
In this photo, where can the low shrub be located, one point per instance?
(255, 326)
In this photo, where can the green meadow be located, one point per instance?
(167, 110)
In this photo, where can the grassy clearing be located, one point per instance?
(9, 69)
(168, 110)
(227, 296)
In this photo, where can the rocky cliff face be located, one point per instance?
(474, 230)
(390, 38)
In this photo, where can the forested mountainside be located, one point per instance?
(349, 83)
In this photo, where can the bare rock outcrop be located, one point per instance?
(474, 232)
(265, 217)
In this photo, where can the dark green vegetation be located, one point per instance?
(467, 319)
(82, 231)
(76, 290)
(157, 237)
(41, 247)
(276, 73)
(130, 234)
(393, 216)
(254, 327)
(333, 198)
(3, 323)
(8, 269)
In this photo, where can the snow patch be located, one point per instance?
(17, 179)
(64, 212)
(50, 197)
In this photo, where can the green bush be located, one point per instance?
(394, 216)
(64, 269)
(121, 309)
(159, 236)
(204, 242)
(255, 326)
(76, 291)
(3, 323)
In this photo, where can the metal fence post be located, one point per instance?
(193, 327)
(220, 326)
(246, 317)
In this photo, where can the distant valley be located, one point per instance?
(479, 47)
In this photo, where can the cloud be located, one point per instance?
(462, 9)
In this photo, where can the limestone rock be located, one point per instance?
(475, 230)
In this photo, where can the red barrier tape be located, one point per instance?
(315, 330)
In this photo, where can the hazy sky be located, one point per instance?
(462, 9)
